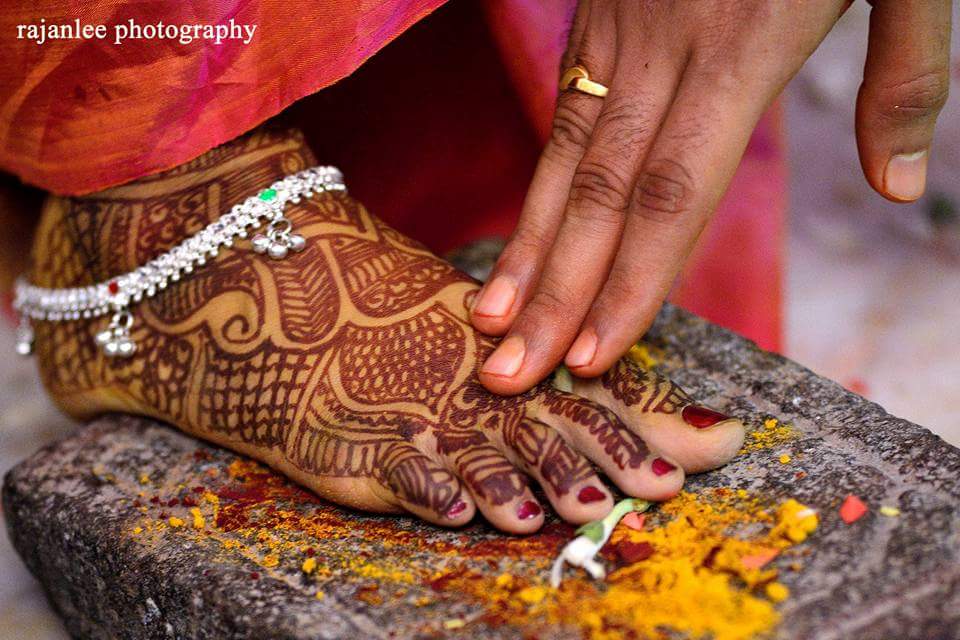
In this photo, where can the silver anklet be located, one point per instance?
(116, 295)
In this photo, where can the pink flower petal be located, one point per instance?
(852, 509)
(634, 520)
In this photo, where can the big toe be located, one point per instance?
(693, 436)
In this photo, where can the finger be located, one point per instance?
(651, 405)
(424, 488)
(622, 454)
(905, 83)
(565, 476)
(593, 220)
(498, 488)
(683, 177)
(592, 44)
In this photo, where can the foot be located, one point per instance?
(351, 366)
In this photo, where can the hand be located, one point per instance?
(627, 182)
(350, 366)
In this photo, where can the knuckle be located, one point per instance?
(570, 131)
(663, 191)
(549, 302)
(623, 300)
(526, 244)
(921, 96)
(626, 299)
(624, 121)
(596, 183)
(522, 247)
(618, 289)
(519, 251)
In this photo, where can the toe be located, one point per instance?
(566, 476)
(499, 489)
(424, 488)
(694, 437)
(599, 434)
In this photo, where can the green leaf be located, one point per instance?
(593, 531)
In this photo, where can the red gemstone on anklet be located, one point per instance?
(113, 288)
(701, 417)
(591, 494)
(459, 507)
(661, 466)
(528, 509)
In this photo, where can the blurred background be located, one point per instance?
(872, 291)
(872, 288)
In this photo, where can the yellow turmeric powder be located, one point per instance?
(772, 434)
(645, 355)
(696, 581)
(708, 575)
(711, 572)
(198, 520)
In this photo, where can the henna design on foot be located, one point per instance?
(622, 446)
(353, 360)
(637, 387)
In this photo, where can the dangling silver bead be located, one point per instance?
(261, 243)
(126, 348)
(24, 344)
(115, 340)
(296, 242)
(278, 240)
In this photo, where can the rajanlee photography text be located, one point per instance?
(44, 32)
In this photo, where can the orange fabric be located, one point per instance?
(443, 152)
(80, 115)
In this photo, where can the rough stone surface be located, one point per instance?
(73, 508)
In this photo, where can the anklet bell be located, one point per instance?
(278, 240)
(24, 337)
(115, 340)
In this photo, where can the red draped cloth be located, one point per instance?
(438, 134)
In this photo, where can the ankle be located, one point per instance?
(82, 240)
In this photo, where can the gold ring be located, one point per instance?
(577, 77)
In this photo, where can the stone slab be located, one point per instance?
(84, 512)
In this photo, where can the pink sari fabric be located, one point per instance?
(80, 115)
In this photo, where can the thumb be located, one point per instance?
(905, 84)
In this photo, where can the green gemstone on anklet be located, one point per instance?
(268, 194)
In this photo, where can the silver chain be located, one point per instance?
(116, 295)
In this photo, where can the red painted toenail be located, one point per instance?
(701, 417)
(528, 509)
(458, 507)
(661, 466)
(591, 494)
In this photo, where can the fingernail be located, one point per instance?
(701, 417)
(583, 349)
(458, 507)
(906, 175)
(506, 360)
(496, 298)
(661, 466)
(528, 509)
(591, 494)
